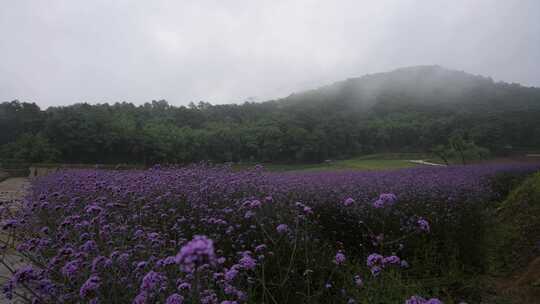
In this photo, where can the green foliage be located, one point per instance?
(407, 110)
(17, 118)
(516, 237)
(30, 148)
(461, 149)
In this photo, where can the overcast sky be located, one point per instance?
(61, 52)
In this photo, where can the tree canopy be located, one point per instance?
(407, 110)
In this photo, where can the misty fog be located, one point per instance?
(61, 52)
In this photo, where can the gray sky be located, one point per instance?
(60, 52)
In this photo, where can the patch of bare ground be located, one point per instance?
(12, 190)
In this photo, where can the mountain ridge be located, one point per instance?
(415, 82)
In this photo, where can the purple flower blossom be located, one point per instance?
(153, 282)
(391, 260)
(11, 223)
(385, 200)
(175, 299)
(24, 274)
(282, 228)
(247, 262)
(71, 268)
(375, 270)
(423, 225)
(255, 204)
(196, 252)
(141, 298)
(420, 300)
(374, 259)
(89, 246)
(208, 297)
(404, 264)
(93, 209)
(184, 286)
(349, 201)
(260, 248)
(90, 287)
(100, 262)
(415, 300)
(339, 258)
(231, 273)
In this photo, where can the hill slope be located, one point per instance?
(409, 109)
(421, 85)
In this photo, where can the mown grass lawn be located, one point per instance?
(367, 162)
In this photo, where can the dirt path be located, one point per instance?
(12, 190)
(423, 162)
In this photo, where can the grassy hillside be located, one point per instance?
(519, 225)
(386, 161)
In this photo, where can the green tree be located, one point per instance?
(30, 148)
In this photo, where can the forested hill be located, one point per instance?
(409, 109)
(420, 86)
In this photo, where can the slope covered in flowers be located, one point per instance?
(211, 235)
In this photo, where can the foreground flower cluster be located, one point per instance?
(210, 235)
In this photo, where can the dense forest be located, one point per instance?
(407, 110)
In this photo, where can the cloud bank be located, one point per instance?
(60, 52)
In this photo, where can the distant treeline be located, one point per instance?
(406, 110)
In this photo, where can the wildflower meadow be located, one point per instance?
(212, 235)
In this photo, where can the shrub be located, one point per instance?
(517, 231)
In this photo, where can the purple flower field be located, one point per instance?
(205, 234)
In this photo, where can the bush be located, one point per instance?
(517, 230)
(30, 148)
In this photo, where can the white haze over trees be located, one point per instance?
(61, 52)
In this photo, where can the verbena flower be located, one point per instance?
(247, 262)
(282, 228)
(423, 225)
(420, 300)
(231, 273)
(71, 268)
(349, 201)
(340, 258)
(196, 252)
(374, 259)
(174, 299)
(404, 264)
(391, 260)
(260, 248)
(89, 288)
(415, 300)
(385, 200)
(153, 282)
